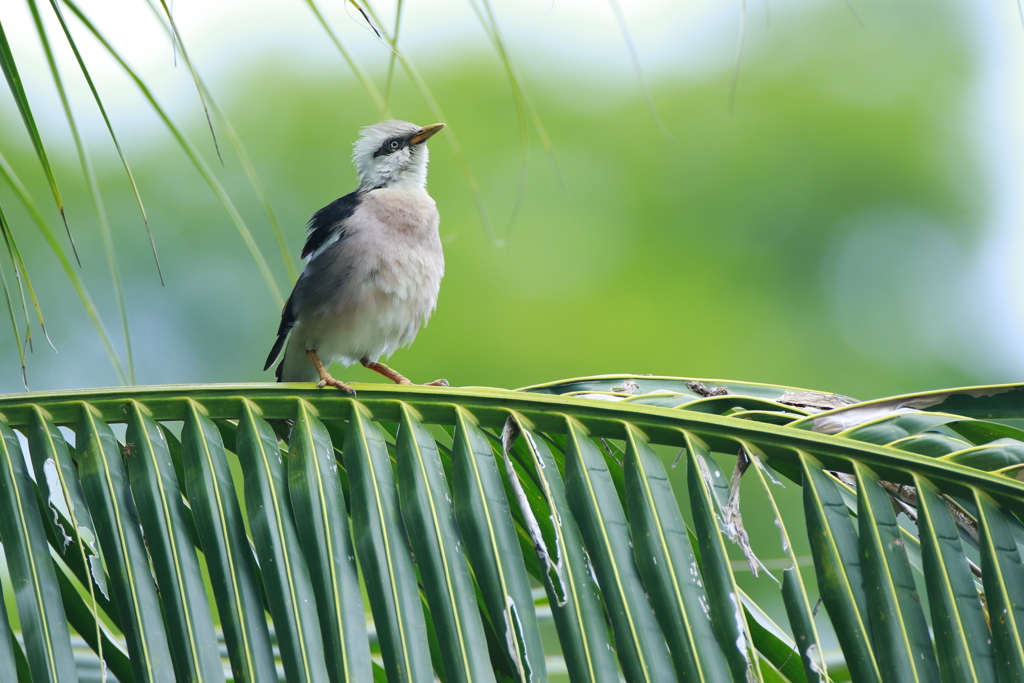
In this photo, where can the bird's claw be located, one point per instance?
(437, 383)
(330, 381)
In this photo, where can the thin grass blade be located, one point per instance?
(24, 283)
(10, 69)
(14, 323)
(834, 544)
(285, 578)
(595, 504)
(221, 534)
(36, 593)
(666, 562)
(963, 642)
(124, 552)
(176, 40)
(1003, 577)
(901, 639)
(186, 611)
(110, 129)
(724, 602)
(192, 153)
(384, 558)
(90, 180)
(483, 515)
(570, 585)
(316, 499)
(430, 525)
(20, 191)
(364, 79)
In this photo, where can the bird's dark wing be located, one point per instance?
(287, 323)
(326, 224)
(329, 222)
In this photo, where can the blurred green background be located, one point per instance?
(845, 226)
(823, 233)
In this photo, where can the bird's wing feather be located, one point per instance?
(326, 225)
(287, 323)
(329, 222)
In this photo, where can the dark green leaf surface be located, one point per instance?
(482, 512)
(776, 650)
(834, 543)
(85, 619)
(191, 637)
(447, 582)
(8, 670)
(994, 402)
(995, 455)
(57, 477)
(124, 552)
(963, 643)
(282, 566)
(931, 444)
(57, 480)
(723, 594)
(896, 427)
(316, 500)
(668, 567)
(595, 504)
(794, 593)
(1003, 577)
(31, 573)
(228, 555)
(610, 450)
(647, 384)
(901, 639)
(383, 554)
(570, 586)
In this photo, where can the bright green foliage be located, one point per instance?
(453, 502)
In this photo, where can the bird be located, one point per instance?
(374, 265)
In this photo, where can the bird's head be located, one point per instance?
(393, 154)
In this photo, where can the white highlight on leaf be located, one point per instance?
(57, 500)
(98, 577)
(812, 659)
(555, 569)
(755, 456)
(515, 641)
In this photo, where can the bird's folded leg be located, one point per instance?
(395, 376)
(325, 377)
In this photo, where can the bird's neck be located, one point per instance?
(406, 179)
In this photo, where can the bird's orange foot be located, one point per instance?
(329, 381)
(325, 377)
(395, 376)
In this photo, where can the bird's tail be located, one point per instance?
(287, 323)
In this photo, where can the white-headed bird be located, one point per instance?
(375, 264)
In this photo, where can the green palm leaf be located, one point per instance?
(448, 539)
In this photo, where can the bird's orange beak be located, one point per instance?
(425, 133)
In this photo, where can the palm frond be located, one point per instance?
(453, 500)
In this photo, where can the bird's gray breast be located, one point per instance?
(379, 281)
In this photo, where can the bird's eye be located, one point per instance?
(393, 145)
